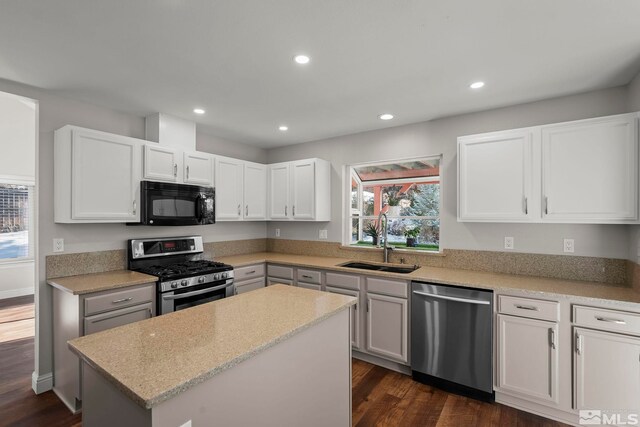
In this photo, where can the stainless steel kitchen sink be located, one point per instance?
(380, 267)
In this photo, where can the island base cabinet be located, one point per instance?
(387, 320)
(303, 380)
(355, 315)
(528, 358)
(607, 371)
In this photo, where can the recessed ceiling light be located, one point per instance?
(198, 110)
(302, 59)
(283, 128)
(476, 85)
(385, 116)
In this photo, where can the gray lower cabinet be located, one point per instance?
(78, 315)
(279, 274)
(249, 278)
(313, 286)
(387, 327)
(355, 315)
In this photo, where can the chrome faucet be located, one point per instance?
(385, 248)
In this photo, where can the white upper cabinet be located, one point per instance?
(255, 191)
(161, 163)
(198, 168)
(229, 188)
(279, 191)
(96, 176)
(496, 181)
(584, 171)
(300, 190)
(590, 170)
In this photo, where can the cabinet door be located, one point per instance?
(355, 315)
(607, 370)
(495, 177)
(303, 189)
(313, 286)
(161, 163)
(105, 182)
(249, 285)
(255, 191)
(111, 319)
(278, 281)
(229, 188)
(528, 358)
(590, 170)
(198, 168)
(387, 327)
(279, 191)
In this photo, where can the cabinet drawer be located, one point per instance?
(119, 299)
(114, 318)
(249, 285)
(277, 280)
(309, 276)
(313, 286)
(280, 271)
(610, 320)
(394, 288)
(528, 307)
(248, 272)
(343, 281)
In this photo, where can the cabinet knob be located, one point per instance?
(135, 207)
(187, 172)
(175, 170)
(239, 210)
(285, 210)
(246, 210)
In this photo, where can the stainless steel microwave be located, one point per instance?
(164, 203)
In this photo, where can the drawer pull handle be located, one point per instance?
(527, 307)
(307, 277)
(610, 320)
(250, 272)
(118, 301)
(552, 337)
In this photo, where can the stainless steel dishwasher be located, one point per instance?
(451, 338)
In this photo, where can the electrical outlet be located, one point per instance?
(58, 245)
(569, 245)
(508, 242)
(323, 234)
(277, 232)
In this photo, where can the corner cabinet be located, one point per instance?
(584, 171)
(300, 190)
(96, 176)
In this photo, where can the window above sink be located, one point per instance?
(407, 191)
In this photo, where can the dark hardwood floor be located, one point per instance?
(380, 397)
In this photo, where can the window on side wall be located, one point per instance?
(407, 191)
(15, 222)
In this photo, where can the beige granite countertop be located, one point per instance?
(589, 291)
(140, 358)
(95, 282)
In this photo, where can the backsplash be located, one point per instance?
(592, 269)
(97, 262)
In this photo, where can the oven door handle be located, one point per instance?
(201, 291)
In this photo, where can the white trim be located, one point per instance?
(16, 180)
(394, 181)
(41, 383)
(12, 293)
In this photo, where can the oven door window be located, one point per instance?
(192, 297)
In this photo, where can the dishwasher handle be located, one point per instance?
(465, 300)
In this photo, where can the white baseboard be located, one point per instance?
(41, 383)
(12, 293)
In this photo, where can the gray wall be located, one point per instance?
(439, 137)
(56, 112)
(634, 105)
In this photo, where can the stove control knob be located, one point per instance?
(174, 285)
(201, 279)
(184, 283)
(224, 275)
(216, 276)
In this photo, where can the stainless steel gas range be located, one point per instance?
(184, 280)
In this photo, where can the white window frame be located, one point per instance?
(349, 173)
(32, 228)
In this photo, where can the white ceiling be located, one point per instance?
(413, 58)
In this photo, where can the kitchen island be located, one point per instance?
(275, 356)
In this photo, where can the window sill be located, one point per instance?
(12, 261)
